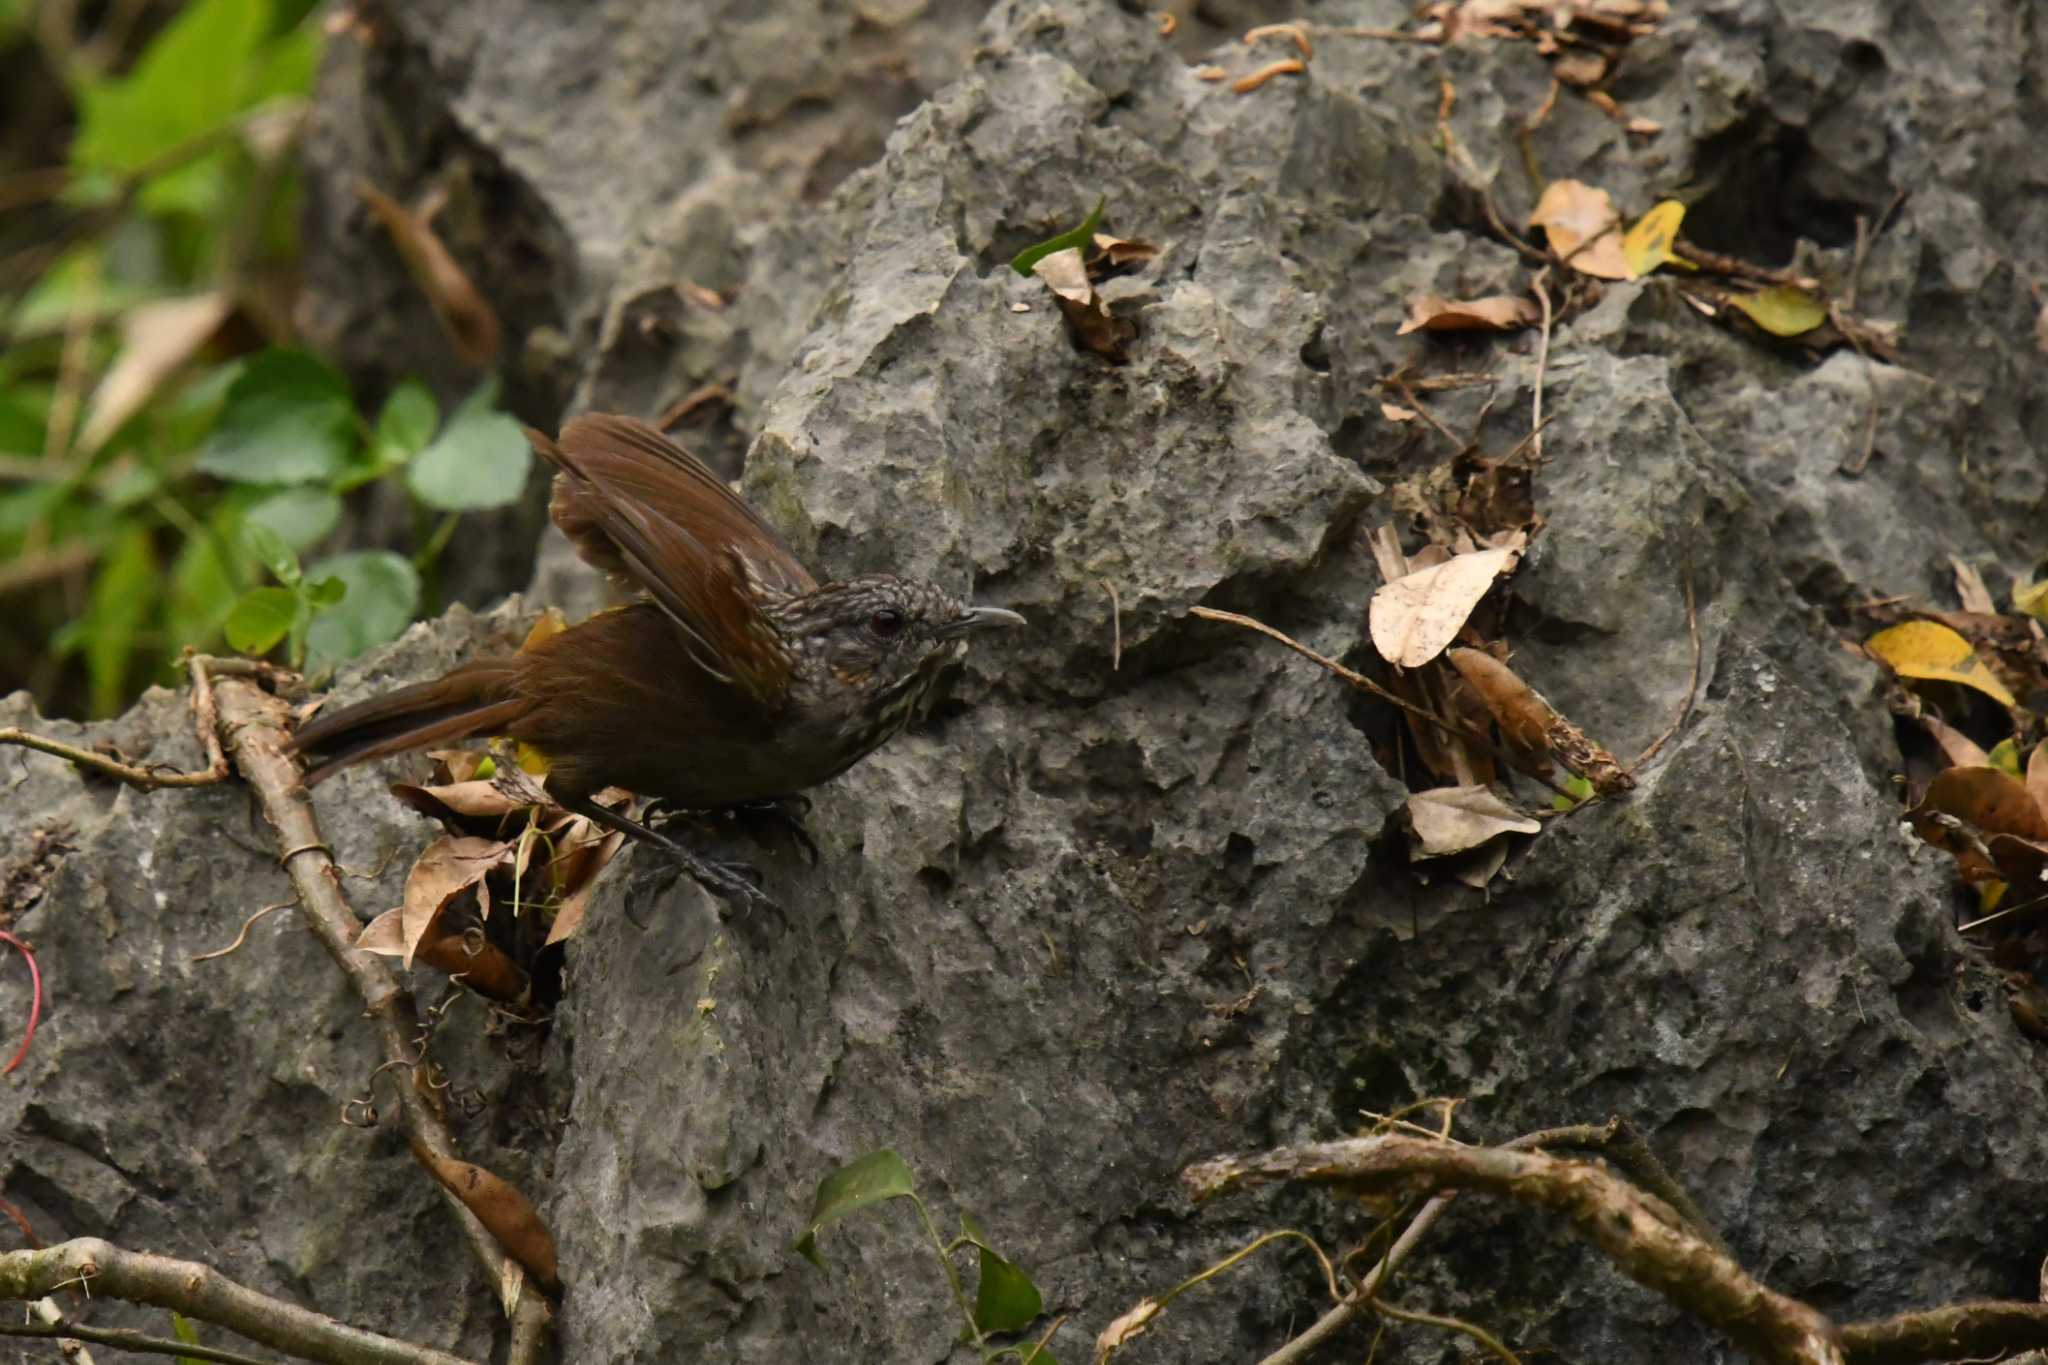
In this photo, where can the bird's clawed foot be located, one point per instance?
(785, 812)
(736, 883)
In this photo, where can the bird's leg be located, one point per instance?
(733, 881)
(786, 811)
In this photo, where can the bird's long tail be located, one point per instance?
(477, 698)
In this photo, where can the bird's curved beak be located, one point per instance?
(978, 618)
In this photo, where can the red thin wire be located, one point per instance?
(35, 1002)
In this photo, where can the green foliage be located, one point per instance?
(1080, 237)
(183, 1330)
(179, 516)
(1005, 1299)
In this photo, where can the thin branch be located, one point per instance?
(127, 1339)
(1692, 688)
(200, 1291)
(1645, 1238)
(1542, 364)
(256, 728)
(1365, 684)
(1470, 1329)
(242, 937)
(1960, 1331)
(206, 721)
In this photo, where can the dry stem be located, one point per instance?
(206, 722)
(199, 1291)
(255, 722)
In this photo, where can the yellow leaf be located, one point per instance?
(1782, 310)
(549, 624)
(531, 759)
(1648, 243)
(2032, 598)
(2005, 756)
(1927, 649)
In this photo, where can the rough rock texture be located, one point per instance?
(1089, 923)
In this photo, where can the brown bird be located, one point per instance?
(734, 679)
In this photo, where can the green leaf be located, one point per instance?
(184, 1331)
(480, 460)
(1080, 237)
(408, 420)
(206, 579)
(971, 1230)
(869, 1180)
(187, 82)
(262, 618)
(297, 516)
(272, 552)
(326, 592)
(383, 591)
(1579, 791)
(1005, 1300)
(123, 595)
(288, 419)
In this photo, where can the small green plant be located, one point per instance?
(1005, 1299)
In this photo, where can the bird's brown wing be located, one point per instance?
(641, 508)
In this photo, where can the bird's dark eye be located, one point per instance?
(886, 622)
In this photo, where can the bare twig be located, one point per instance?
(1692, 688)
(1961, 1331)
(256, 725)
(240, 938)
(1542, 364)
(205, 715)
(1646, 1239)
(1470, 1329)
(1365, 684)
(1116, 627)
(199, 1291)
(62, 1330)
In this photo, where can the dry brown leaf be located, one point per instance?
(1494, 313)
(468, 319)
(501, 1208)
(1449, 820)
(1957, 748)
(569, 914)
(156, 338)
(1583, 227)
(1122, 251)
(444, 870)
(478, 798)
(1579, 67)
(1987, 801)
(1413, 618)
(481, 964)
(1394, 412)
(2036, 781)
(1521, 712)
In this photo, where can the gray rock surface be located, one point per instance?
(1088, 924)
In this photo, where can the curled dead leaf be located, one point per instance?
(502, 1209)
(1494, 313)
(444, 870)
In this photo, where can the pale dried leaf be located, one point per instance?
(384, 935)
(569, 914)
(1066, 274)
(1125, 1329)
(156, 338)
(1583, 227)
(1450, 820)
(1394, 412)
(500, 1207)
(1413, 618)
(1970, 589)
(1123, 250)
